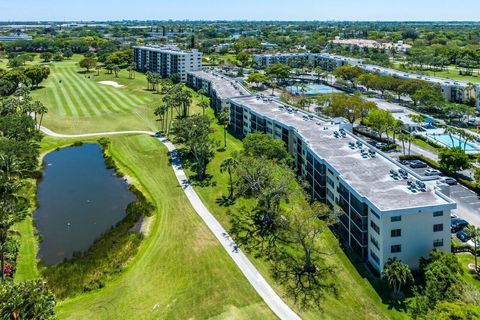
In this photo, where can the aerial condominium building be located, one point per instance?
(167, 61)
(453, 91)
(385, 209)
(218, 87)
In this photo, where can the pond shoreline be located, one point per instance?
(118, 245)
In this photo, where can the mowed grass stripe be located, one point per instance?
(87, 96)
(117, 93)
(53, 100)
(108, 97)
(119, 103)
(66, 102)
(69, 97)
(82, 100)
(80, 103)
(102, 100)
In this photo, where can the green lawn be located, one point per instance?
(465, 259)
(180, 271)
(81, 104)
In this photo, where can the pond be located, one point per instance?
(79, 199)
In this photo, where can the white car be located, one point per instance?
(432, 172)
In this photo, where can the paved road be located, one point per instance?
(271, 298)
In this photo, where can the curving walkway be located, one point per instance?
(271, 298)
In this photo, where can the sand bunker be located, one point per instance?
(111, 83)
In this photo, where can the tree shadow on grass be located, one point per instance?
(225, 201)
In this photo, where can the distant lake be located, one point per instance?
(79, 199)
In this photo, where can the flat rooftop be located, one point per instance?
(370, 177)
(170, 50)
(225, 87)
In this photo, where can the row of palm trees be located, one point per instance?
(22, 103)
(174, 98)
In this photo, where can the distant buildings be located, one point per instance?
(168, 61)
(372, 44)
(453, 91)
(15, 37)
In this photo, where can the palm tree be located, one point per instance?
(203, 102)
(451, 131)
(474, 232)
(403, 137)
(38, 108)
(228, 165)
(224, 119)
(409, 139)
(42, 110)
(397, 274)
(115, 70)
(160, 113)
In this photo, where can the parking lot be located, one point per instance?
(468, 204)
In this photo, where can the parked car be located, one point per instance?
(380, 145)
(457, 225)
(450, 181)
(432, 172)
(418, 164)
(453, 216)
(405, 162)
(463, 235)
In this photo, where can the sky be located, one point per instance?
(371, 10)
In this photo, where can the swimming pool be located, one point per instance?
(457, 142)
(312, 89)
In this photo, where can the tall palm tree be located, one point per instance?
(228, 165)
(160, 113)
(402, 137)
(451, 131)
(224, 119)
(42, 110)
(475, 234)
(397, 274)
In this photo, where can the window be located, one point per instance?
(437, 227)
(438, 243)
(396, 233)
(375, 242)
(438, 213)
(374, 257)
(396, 219)
(375, 214)
(375, 227)
(330, 182)
(396, 248)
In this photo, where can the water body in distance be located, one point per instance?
(79, 199)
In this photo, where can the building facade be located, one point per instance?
(217, 87)
(384, 209)
(167, 61)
